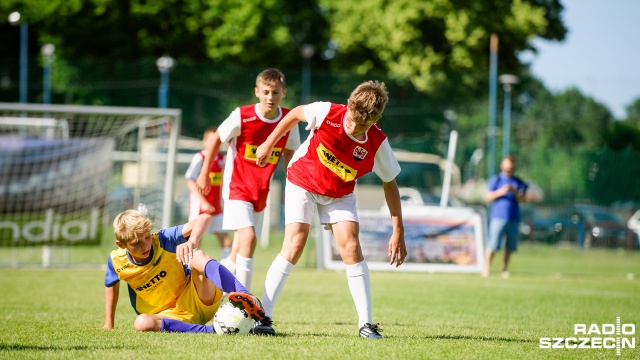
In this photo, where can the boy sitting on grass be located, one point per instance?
(172, 285)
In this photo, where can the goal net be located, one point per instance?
(66, 171)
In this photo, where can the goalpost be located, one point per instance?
(66, 171)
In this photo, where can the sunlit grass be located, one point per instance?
(53, 314)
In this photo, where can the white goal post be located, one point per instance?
(65, 170)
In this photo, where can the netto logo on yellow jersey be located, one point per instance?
(154, 281)
(328, 159)
(250, 153)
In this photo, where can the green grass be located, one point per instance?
(54, 313)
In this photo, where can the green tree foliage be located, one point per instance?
(440, 46)
(244, 32)
(567, 119)
(626, 133)
(623, 134)
(633, 113)
(112, 29)
(553, 136)
(613, 175)
(574, 120)
(435, 45)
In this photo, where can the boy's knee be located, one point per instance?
(199, 260)
(145, 322)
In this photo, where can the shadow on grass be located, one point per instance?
(433, 337)
(476, 338)
(20, 347)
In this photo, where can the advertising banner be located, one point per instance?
(438, 239)
(53, 191)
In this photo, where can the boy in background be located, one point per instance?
(210, 203)
(246, 185)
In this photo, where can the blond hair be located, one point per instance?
(367, 101)
(272, 77)
(129, 224)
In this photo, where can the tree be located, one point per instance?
(435, 45)
(633, 113)
(440, 46)
(568, 119)
(623, 134)
(244, 32)
(435, 50)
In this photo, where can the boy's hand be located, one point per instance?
(262, 154)
(397, 249)
(203, 184)
(507, 188)
(184, 252)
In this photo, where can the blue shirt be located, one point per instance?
(506, 207)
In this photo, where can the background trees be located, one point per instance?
(437, 49)
(433, 54)
(439, 46)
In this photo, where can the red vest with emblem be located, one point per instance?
(250, 182)
(334, 160)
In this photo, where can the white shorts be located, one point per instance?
(216, 224)
(300, 203)
(239, 215)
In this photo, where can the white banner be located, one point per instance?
(438, 239)
(53, 191)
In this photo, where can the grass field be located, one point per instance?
(54, 313)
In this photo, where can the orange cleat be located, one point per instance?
(248, 303)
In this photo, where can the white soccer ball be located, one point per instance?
(230, 320)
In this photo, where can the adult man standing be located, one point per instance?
(506, 191)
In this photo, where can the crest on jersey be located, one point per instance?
(359, 153)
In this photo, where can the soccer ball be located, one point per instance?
(230, 320)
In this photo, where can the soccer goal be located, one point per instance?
(66, 171)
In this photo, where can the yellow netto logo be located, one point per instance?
(328, 159)
(250, 154)
(215, 178)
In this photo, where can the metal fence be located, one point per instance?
(206, 92)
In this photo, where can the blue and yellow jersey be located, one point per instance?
(155, 285)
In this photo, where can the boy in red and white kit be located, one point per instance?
(245, 184)
(344, 144)
(210, 203)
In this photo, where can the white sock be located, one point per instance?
(230, 265)
(277, 275)
(244, 271)
(359, 285)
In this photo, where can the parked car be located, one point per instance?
(590, 225)
(414, 197)
(536, 226)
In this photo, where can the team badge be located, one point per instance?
(359, 153)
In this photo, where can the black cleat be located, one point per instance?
(370, 331)
(263, 327)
